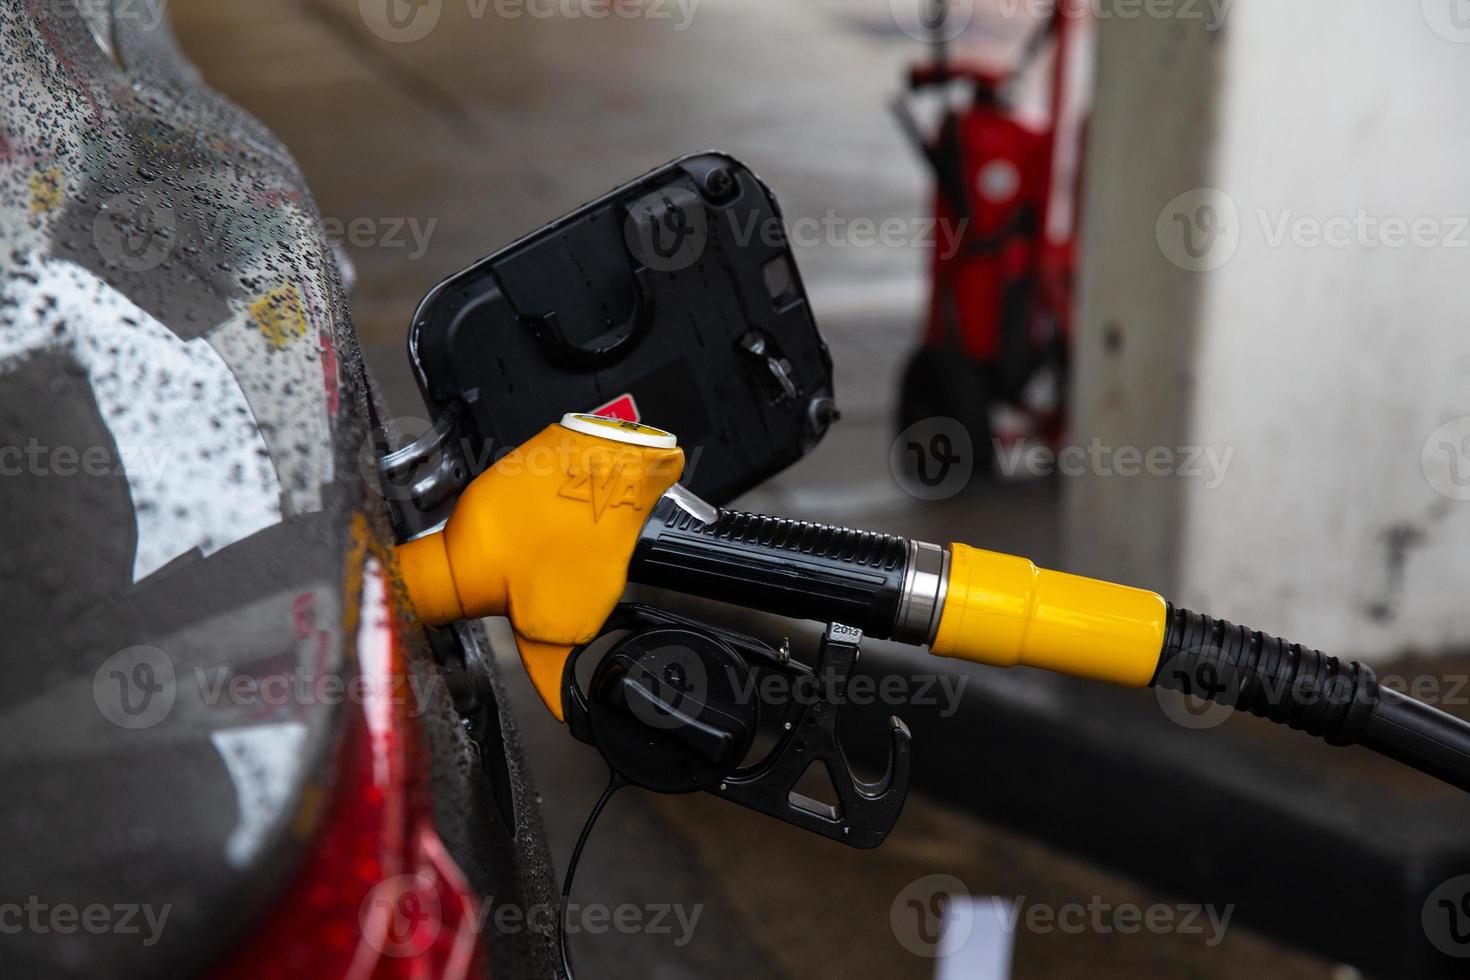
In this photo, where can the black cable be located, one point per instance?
(614, 783)
(1341, 703)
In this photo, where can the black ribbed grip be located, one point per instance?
(1284, 682)
(791, 568)
(1310, 691)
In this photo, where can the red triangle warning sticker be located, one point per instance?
(622, 407)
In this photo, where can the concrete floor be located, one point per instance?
(487, 128)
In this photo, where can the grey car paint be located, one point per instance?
(183, 423)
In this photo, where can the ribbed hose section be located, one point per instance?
(1284, 682)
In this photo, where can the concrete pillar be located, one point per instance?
(1275, 303)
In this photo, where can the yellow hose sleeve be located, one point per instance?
(1004, 611)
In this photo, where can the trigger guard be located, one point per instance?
(545, 664)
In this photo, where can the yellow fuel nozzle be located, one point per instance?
(544, 537)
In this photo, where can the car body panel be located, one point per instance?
(185, 491)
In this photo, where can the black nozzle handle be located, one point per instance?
(791, 568)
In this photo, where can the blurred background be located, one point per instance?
(1248, 284)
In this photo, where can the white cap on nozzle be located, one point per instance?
(620, 430)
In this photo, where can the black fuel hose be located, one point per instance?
(1341, 703)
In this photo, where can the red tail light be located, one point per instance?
(376, 896)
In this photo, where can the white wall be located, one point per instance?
(1324, 367)
(1149, 140)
